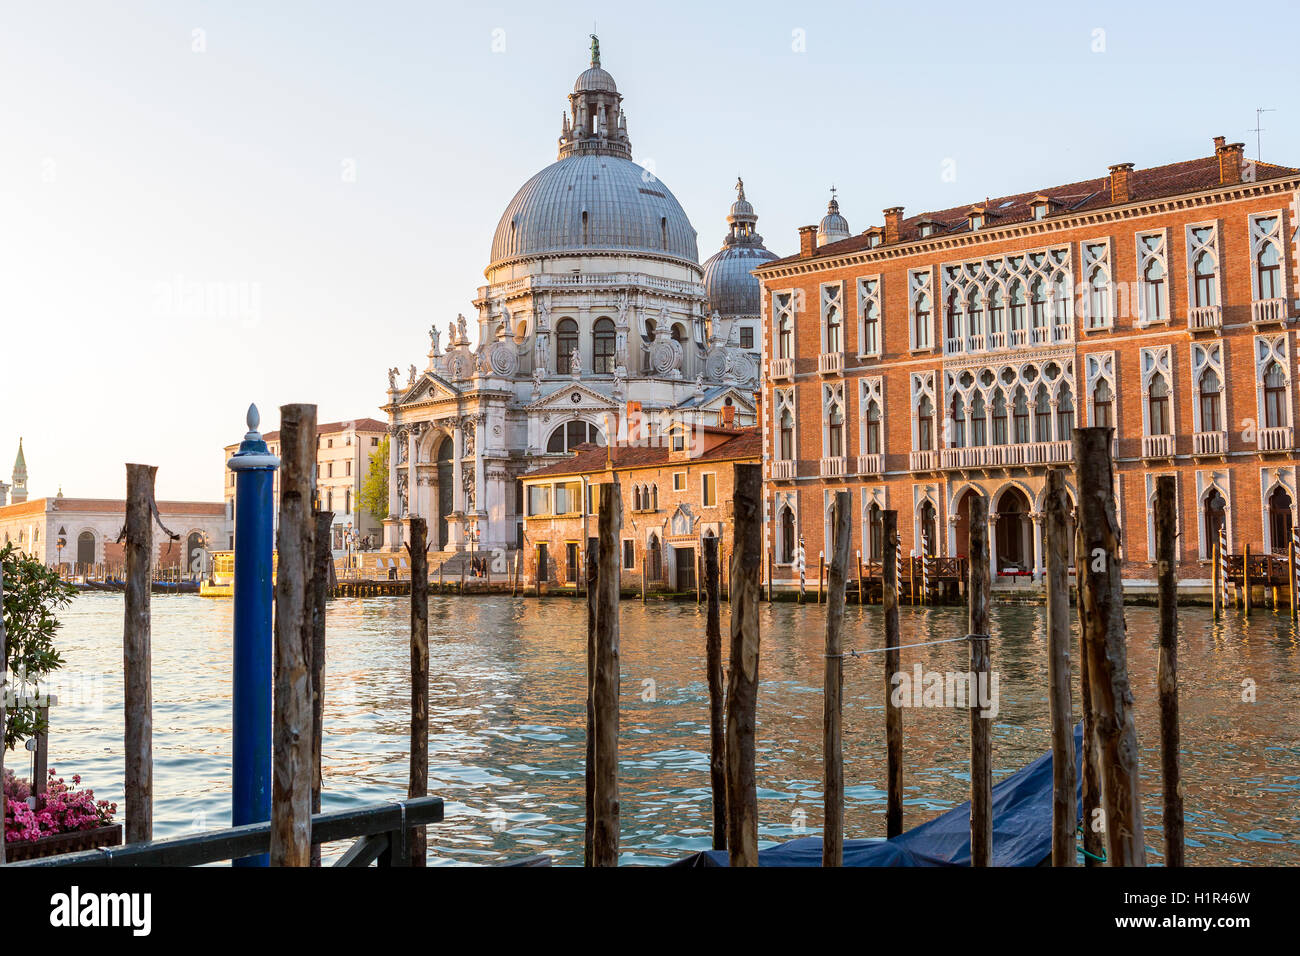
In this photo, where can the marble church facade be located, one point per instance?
(596, 309)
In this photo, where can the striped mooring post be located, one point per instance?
(898, 563)
(254, 467)
(1223, 568)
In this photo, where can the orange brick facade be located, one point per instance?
(672, 500)
(1157, 301)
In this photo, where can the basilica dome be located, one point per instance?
(728, 285)
(595, 198)
(593, 201)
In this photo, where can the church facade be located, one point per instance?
(596, 312)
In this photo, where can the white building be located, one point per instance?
(595, 304)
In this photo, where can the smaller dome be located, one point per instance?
(594, 80)
(742, 208)
(833, 227)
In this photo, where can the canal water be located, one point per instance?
(507, 715)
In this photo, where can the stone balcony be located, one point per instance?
(1276, 439)
(1268, 312)
(1205, 318)
(1209, 444)
(871, 464)
(1006, 456)
(784, 469)
(1157, 446)
(837, 467)
(589, 280)
(923, 460)
(782, 369)
(1033, 337)
(831, 363)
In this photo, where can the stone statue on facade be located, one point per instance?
(460, 329)
(392, 379)
(575, 364)
(434, 335)
(451, 336)
(412, 373)
(537, 382)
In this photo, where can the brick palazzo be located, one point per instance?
(677, 489)
(952, 353)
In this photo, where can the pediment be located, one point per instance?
(564, 398)
(429, 387)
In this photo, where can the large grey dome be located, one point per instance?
(728, 285)
(593, 202)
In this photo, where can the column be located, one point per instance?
(412, 489)
(993, 547)
(457, 478)
(1037, 518)
(395, 436)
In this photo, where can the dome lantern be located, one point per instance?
(833, 227)
(597, 126)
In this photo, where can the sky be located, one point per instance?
(204, 205)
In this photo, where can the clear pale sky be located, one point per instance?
(329, 175)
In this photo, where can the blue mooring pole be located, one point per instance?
(254, 469)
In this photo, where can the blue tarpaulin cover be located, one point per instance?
(1022, 830)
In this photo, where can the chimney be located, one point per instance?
(1119, 177)
(893, 223)
(1229, 160)
(728, 416)
(807, 241)
(633, 415)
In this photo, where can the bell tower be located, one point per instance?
(19, 476)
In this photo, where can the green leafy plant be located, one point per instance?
(32, 595)
(374, 488)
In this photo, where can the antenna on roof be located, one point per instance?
(1259, 113)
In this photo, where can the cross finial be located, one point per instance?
(832, 190)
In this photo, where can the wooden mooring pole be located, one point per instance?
(1093, 847)
(418, 785)
(593, 576)
(291, 774)
(717, 696)
(742, 681)
(833, 693)
(605, 833)
(893, 712)
(1065, 812)
(981, 733)
(322, 563)
(1104, 651)
(137, 639)
(1166, 518)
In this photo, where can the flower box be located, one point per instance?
(18, 850)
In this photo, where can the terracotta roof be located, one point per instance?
(113, 505)
(1158, 182)
(360, 424)
(588, 458)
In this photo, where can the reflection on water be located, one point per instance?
(506, 700)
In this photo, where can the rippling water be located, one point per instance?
(507, 715)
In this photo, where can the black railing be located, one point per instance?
(381, 833)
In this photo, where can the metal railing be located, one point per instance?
(382, 834)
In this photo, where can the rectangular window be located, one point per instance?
(629, 556)
(746, 337)
(374, 443)
(709, 490)
(679, 481)
(329, 470)
(568, 498)
(679, 441)
(349, 468)
(539, 499)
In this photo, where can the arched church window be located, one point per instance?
(566, 340)
(602, 347)
(571, 434)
